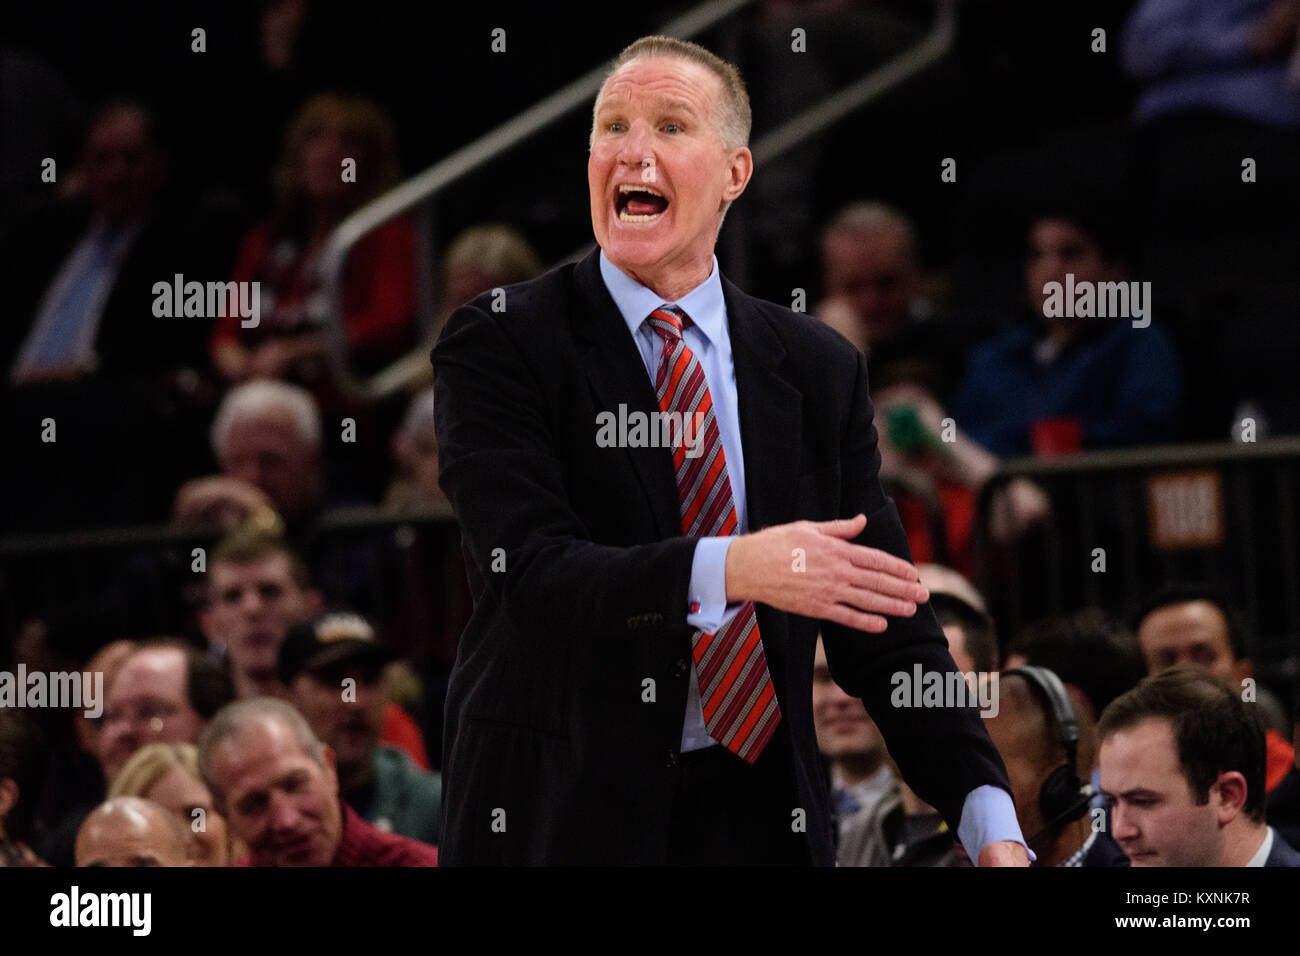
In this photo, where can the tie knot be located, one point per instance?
(668, 322)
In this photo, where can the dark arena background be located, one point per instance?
(1064, 234)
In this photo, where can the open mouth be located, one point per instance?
(638, 203)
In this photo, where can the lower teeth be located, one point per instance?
(628, 217)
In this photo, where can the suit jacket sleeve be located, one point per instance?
(942, 752)
(500, 464)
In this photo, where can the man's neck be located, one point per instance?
(1243, 843)
(248, 684)
(672, 284)
(855, 768)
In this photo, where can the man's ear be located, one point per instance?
(8, 796)
(1232, 790)
(739, 170)
(207, 619)
(315, 601)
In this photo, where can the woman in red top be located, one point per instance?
(316, 187)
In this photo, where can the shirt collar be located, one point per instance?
(704, 304)
(1261, 855)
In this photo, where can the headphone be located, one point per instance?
(1063, 797)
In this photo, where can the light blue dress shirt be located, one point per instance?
(988, 813)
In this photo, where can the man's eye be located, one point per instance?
(672, 128)
(614, 127)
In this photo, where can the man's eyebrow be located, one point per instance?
(664, 104)
(1130, 794)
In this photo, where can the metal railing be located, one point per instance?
(1106, 500)
(426, 186)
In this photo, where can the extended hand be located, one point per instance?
(811, 568)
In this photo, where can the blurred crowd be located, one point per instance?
(227, 740)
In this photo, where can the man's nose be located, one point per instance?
(283, 811)
(636, 146)
(1122, 825)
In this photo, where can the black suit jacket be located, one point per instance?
(1282, 853)
(552, 751)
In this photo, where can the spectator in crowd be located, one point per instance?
(850, 741)
(83, 345)
(1218, 82)
(129, 831)
(415, 448)
(75, 781)
(168, 775)
(1193, 624)
(482, 257)
(1087, 650)
(164, 693)
(333, 668)
(278, 787)
(898, 829)
(268, 443)
(87, 308)
(1039, 733)
(259, 588)
(1182, 767)
(1094, 655)
(22, 760)
(339, 153)
(971, 639)
(876, 298)
(1066, 381)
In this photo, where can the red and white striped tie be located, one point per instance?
(736, 691)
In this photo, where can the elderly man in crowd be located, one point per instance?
(278, 788)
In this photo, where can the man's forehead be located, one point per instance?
(263, 748)
(269, 567)
(1149, 743)
(147, 672)
(670, 82)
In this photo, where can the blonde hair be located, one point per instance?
(378, 169)
(733, 119)
(150, 764)
(496, 249)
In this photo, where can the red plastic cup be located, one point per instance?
(1056, 436)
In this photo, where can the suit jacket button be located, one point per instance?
(681, 668)
(671, 759)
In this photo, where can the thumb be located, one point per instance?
(843, 527)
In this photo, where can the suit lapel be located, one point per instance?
(618, 377)
(771, 412)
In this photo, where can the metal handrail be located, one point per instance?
(426, 185)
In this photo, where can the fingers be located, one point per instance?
(842, 527)
(849, 617)
(868, 600)
(887, 573)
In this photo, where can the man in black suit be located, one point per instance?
(635, 683)
(1182, 767)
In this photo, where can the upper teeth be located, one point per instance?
(629, 188)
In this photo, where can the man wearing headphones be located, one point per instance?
(1037, 731)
